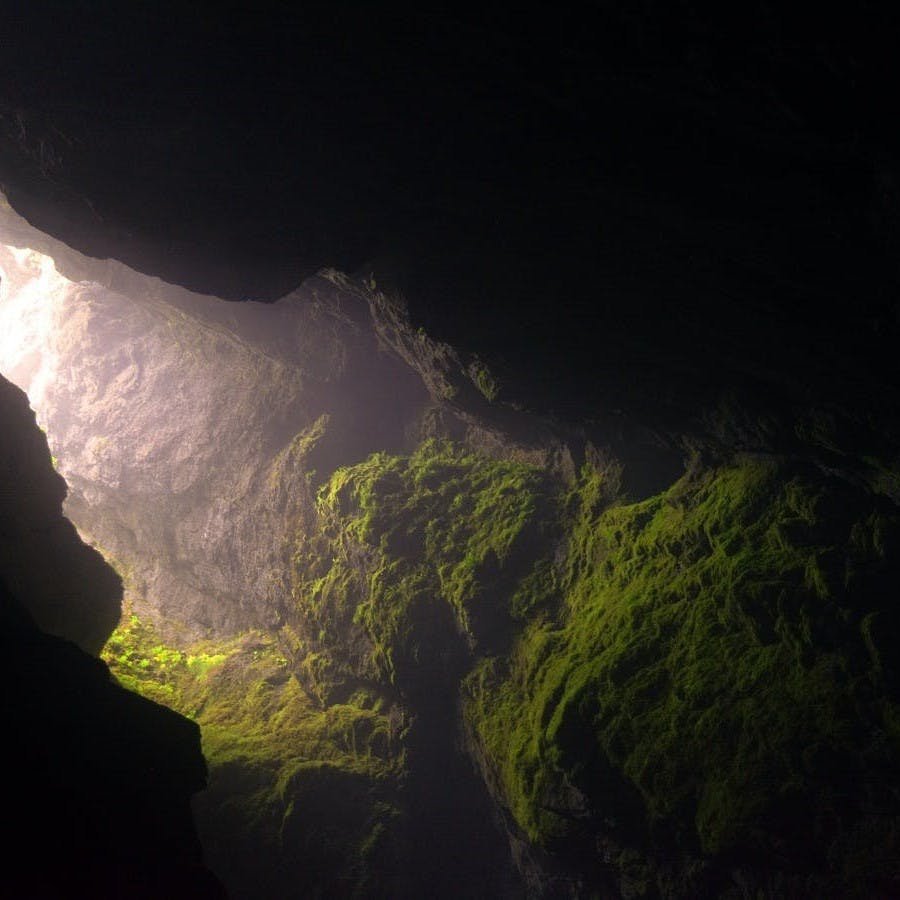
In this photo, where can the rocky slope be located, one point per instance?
(438, 646)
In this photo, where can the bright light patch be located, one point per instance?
(32, 295)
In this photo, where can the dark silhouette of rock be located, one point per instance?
(683, 194)
(65, 585)
(97, 780)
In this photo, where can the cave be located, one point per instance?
(449, 455)
(203, 511)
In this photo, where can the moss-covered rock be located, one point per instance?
(427, 557)
(672, 685)
(300, 797)
(709, 687)
(691, 695)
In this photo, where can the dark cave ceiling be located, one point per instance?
(651, 186)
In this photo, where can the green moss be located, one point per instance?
(419, 549)
(271, 749)
(709, 670)
(484, 380)
(701, 670)
(142, 663)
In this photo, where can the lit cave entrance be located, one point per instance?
(195, 436)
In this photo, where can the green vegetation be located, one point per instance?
(706, 674)
(699, 668)
(709, 676)
(142, 663)
(416, 551)
(283, 769)
(484, 380)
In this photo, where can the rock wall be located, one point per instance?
(174, 419)
(191, 431)
(437, 646)
(98, 780)
(65, 586)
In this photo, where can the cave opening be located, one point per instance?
(196, 437)
(181, 434)
(32, 294)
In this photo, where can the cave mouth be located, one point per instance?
(33, 299)
(194, 435)
(189, 428)
(123, 383)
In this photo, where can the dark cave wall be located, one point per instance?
(65, 586)
(98, 780)
(711, 179)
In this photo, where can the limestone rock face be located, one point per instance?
(361, 571)
(174, 422)
(675, 684)
(190, 430)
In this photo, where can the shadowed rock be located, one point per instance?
(98, 780)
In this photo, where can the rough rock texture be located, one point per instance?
(688, 696)
(653, 658)
(97, 780)
(186, 427)
(193, 435)
(356, 565)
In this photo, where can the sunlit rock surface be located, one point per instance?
(185, 427)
